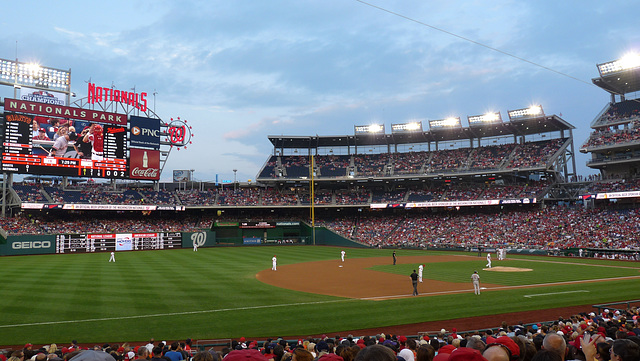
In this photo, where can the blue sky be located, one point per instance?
(239, 71)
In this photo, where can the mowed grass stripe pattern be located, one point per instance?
(220, 285)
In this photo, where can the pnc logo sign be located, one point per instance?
(31, 244)
(137, 131)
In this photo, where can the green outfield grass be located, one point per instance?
(175, 294)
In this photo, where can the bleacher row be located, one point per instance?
(258, 196)
(261, 196)
(618, 125)
(557, 227)
(487, 158)
(549, 228)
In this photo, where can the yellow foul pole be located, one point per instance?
(313, 198)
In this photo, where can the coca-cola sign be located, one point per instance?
(144, 164)
(149, 173)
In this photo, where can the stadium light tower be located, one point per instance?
(19, 74)
(534, 111)
(370, 129)
(484, 119)
(450, 122)
(412, 127)
(235, 180)
(627, 62)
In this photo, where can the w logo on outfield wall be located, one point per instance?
(199, 239)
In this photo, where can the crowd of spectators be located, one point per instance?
(409, 163)
(86, 223)
(624, 111)
(490, 157)
(617, 185)
(484, 158)
(604, 137)
(448, 160)
(274, 197)
(534, 154)
(371, 165)
(259, 196)
(557, 227)
(332, 165)
(395, 196)
(357, 196)
(609, 336)
(239, 197)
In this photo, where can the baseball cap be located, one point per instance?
(322, 346)
(444, 353)
(510, 344)
(466, 354)
(244, 355)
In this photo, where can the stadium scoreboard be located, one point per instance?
(24, 154)
(111, 242)
(108, 145)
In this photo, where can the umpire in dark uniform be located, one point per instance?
(414, 280)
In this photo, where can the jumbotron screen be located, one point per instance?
(96, 150)
(57, 140)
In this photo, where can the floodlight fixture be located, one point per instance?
(450, 122)
(13, 72)
(372, 129)
(412, 127)
(487, 118)
(629, 61)
(533, 111)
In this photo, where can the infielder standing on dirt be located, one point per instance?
(342, 253)
(475, 279)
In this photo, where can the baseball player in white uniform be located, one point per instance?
(113, 257)
(475, 279)
(274, 262)
(488, 260)
(342, 253)
(420, 269)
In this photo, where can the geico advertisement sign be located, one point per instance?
(31, 244)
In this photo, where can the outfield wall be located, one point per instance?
(231, 234)
(25, 245)
(89, 243)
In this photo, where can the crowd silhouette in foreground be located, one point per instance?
(609, 336)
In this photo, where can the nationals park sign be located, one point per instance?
(61, 111)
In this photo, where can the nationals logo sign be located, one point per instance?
(144, 164)
(179, 133)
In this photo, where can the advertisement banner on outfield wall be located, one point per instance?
(24, 245)
(251, 240)
(198, 239)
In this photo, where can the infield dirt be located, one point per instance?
(320, 277)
